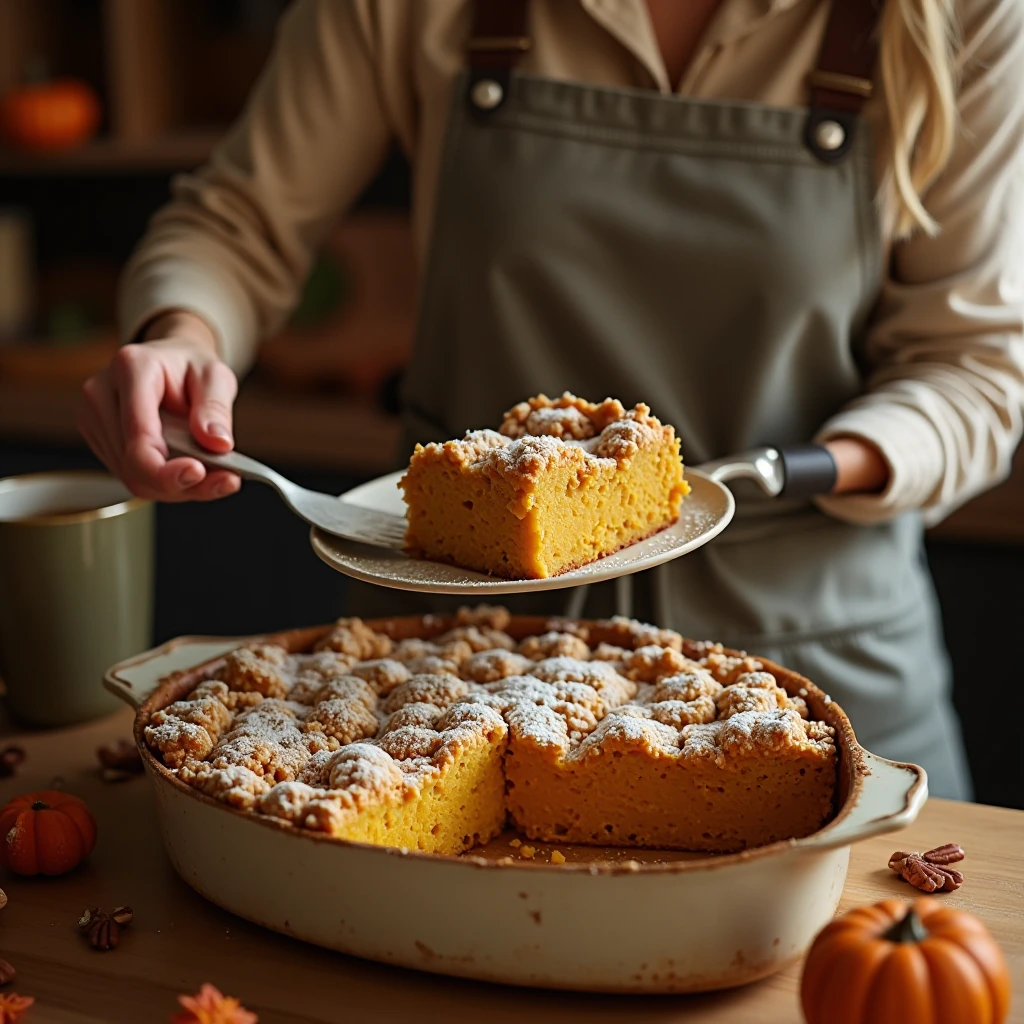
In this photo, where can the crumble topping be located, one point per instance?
(232, 784)
(686, 686)
(454, 651)
(565, 417)
(727, 669)
(477, 638)
(261, 669)
(383, 674)
(342, 721)
(489, 615)
(411, 714)
(490, 666)
(441, 691)
(432, 666)
(650, 663)
(355, 638)
(678, 713)
(348, 688)
(554, 644)
(187, 730)
(559, 624)
(631, 634)
(540, 433)
(601, 675)
(314, 739)
(578, 705)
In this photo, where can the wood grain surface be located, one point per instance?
(178, 940)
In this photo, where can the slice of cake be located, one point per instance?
(561, 484)
(666, 772)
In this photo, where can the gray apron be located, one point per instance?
(698, 257)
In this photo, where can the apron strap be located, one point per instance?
(498, 40)
(843, 80)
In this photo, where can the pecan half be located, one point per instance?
(925, 875)
(948, 854)
(102, 930)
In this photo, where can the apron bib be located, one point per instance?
(699, 257)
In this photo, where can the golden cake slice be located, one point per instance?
(561, 484)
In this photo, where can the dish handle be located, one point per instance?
(891, 797)
(136, 678)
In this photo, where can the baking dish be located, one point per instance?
(608, 920)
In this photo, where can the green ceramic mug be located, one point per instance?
(76, 591)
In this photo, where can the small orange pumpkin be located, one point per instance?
(49, 116)
(900, 963)
(45, 833)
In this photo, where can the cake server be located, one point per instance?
(343, 519)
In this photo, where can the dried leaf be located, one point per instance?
(210, 1006)
(12, 1006)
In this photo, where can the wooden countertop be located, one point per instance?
(178, 940)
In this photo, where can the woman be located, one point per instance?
(738, 211)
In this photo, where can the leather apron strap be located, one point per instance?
(499, 39)
(843, 80)
(839, 86)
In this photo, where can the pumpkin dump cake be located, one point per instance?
(609, 733)
(561, 484)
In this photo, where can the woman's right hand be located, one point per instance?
(175, 367)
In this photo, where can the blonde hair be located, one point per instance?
(919, 83)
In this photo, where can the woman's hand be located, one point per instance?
(860, 467)
(176, 368)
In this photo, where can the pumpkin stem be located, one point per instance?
(908, 929)
(39, 805)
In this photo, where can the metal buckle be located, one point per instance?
(836, 82)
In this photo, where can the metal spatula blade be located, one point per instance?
(330, 514)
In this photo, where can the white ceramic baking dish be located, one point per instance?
(622, 921)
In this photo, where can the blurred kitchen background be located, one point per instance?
(103, 101)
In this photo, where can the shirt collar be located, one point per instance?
(628, 22)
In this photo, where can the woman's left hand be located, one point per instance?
(860, 466)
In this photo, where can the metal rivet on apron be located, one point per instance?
(487, 94)
(829, 135)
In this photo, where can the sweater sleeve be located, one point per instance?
(945, 350)
(236, 241)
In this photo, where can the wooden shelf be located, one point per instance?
(329, 433)
(168, 74)
(177, 152)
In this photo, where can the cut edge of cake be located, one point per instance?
(562, 483)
